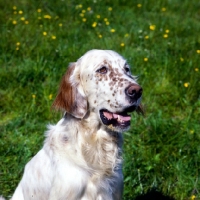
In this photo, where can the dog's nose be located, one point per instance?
(134, 91)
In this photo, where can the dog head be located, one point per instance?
(100, 82)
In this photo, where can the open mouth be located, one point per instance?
(121, 120)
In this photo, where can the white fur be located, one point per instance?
(81, 157)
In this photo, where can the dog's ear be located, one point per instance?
(71, 97)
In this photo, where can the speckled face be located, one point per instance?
(109, 86)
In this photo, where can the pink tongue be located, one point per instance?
(122, 118)
(109, 116)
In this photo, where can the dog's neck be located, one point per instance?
(100, 147)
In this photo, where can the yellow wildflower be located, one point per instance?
(81, 14)
(105, 19)
(193, 197)
(167, 31)
(14, 22)
(44, 33)
(33, 96)
(14, 7)
(17, 48)
(39, 10)
(181, 59)
(18, 44)
(196, 69)
(53, 37)
(100, 36)
(98, 16)
(88, 9)
(15, 12)
(22, 18)
(47, 16)
(152, 27)
(20, 12)
(146, 37)
(186, 85)
(26, 22)
(165, 35)
(112, 30)
(122, 44)
(94, 24)
(83, 11)
(84, 19)
(139, 5)
(60, 24)
(145, 59)
(50, 96)
(126, 35)
(198, 51)
(39, 18)
(110, 8)
(107, 23)
(191, 131)
(163, 9)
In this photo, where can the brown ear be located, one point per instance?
(69, 98)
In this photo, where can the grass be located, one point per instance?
(160, 40)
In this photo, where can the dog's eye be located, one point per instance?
(102, 70)
(127, 70)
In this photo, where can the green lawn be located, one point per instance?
(160, 40)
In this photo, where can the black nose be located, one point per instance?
(134, 91)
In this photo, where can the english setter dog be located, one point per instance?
(82, 155)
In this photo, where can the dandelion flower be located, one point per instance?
(193, 197)
(14, 22)
(14, 7)
(22, 18)
(15, 12)
(89, 9)
(110, 8)
(146, 37)
(44, 33)
(33, 96)
(18, 44)
(47, 16)
(122, 44)
(139, 5)
(105, 19)
(191, 131)
(81, 14)
(94, 24)
(145, 59)
(60, 24)
(112, 30)
(107, 23)
(17, 48)
(26, 22)
(198, 51)
(80, 6)
(167, 31)
(20, 12)
(196, 69)
(165, 35)
(39, 10)
(100, 36)
(126, 35)
(163, 9)
(186, 85)
(83, 11)
(53, 37)
(84, 19)
(152, 27)
(181, 59)
(98, 16)
(39, 18)
(50, 96)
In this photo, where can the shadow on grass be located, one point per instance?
(153, 195)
